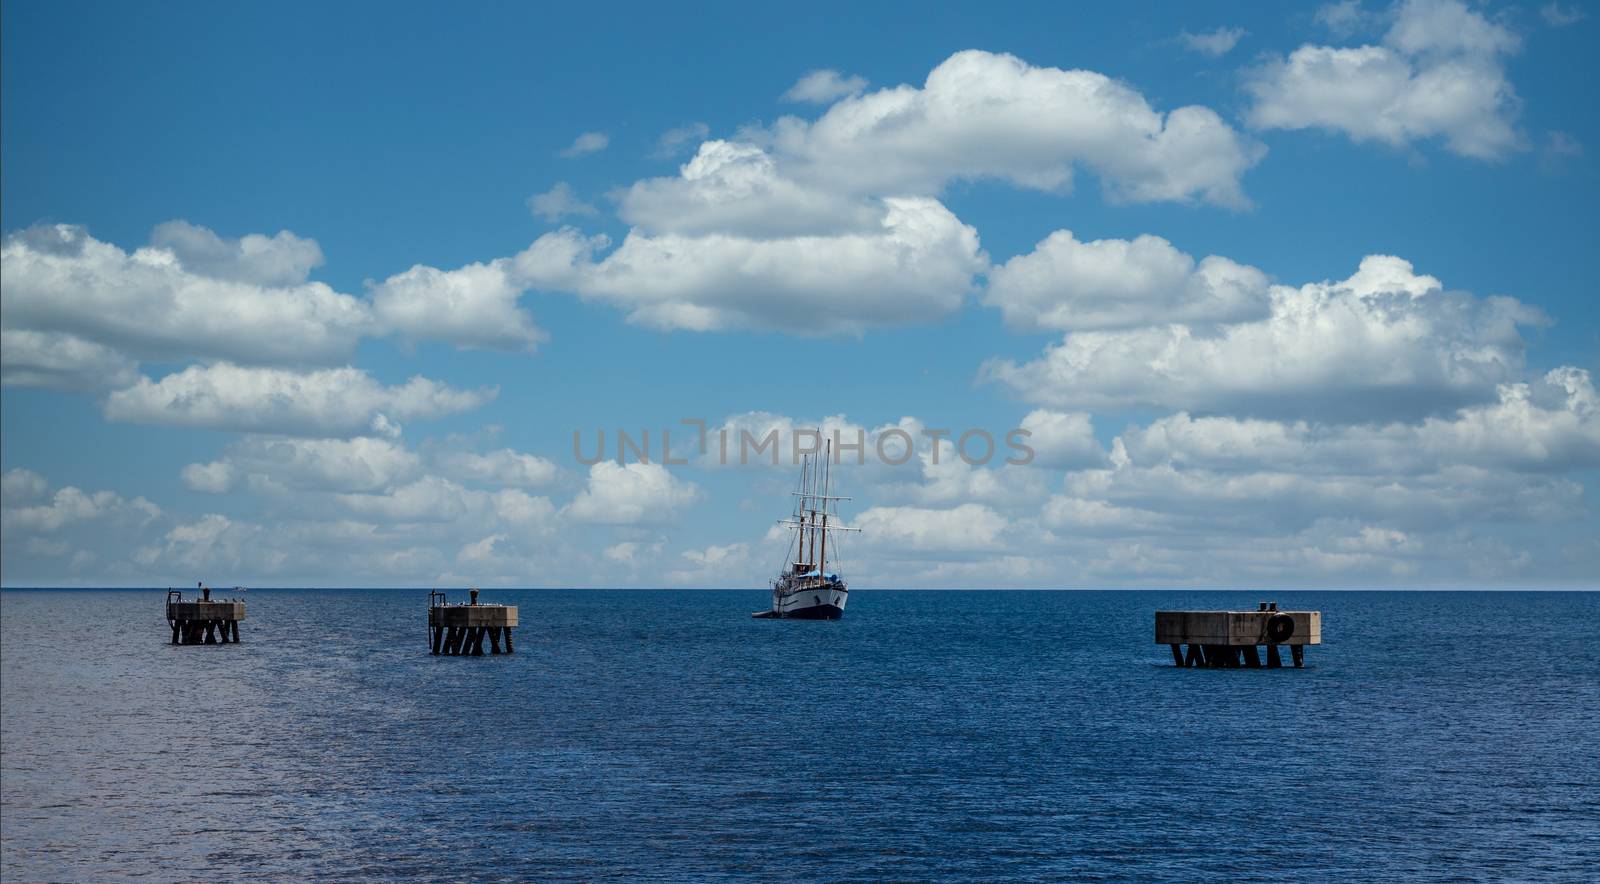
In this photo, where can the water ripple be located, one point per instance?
(665, 735)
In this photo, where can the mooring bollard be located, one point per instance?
(1229, 639)
(203, 621)
(459, 630)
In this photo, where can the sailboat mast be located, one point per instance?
(800, 547)
(811, 557)
(827, 467)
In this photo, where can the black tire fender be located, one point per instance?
(1280, 627)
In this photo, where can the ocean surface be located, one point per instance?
(927, 735)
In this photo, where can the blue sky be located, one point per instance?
(885, 247)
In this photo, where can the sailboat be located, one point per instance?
(805, 589)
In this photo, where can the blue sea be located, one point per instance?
(650, 734)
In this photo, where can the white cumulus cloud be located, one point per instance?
(363, 463)
(1344, 18)
(1065, 284)
(1551, 424)
(635, 494)
(80, 314)
(61, 361)
(587, 143)
(676, 139)
(1216, 42)
(833, 226)
(502, 467)
(152, 304)
(558, 202)
(19, 486)
(30, 509)
(987, 115)
(1062, 439)
(736, 188)
(917, 265)
(967, 527)
(474, 306)
(1438, 73)
(1558, 16)
(326, 402)
(217, 477)
(279, 260)
(1385, 343)
(823, 86)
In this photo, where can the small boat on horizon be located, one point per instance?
(805, 589)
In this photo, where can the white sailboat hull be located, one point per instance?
(818, 603)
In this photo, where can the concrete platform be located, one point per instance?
(1229, 639)
(203, 621)
(221, 610)
(458, 630)
(1236, 627)
(472, 615)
